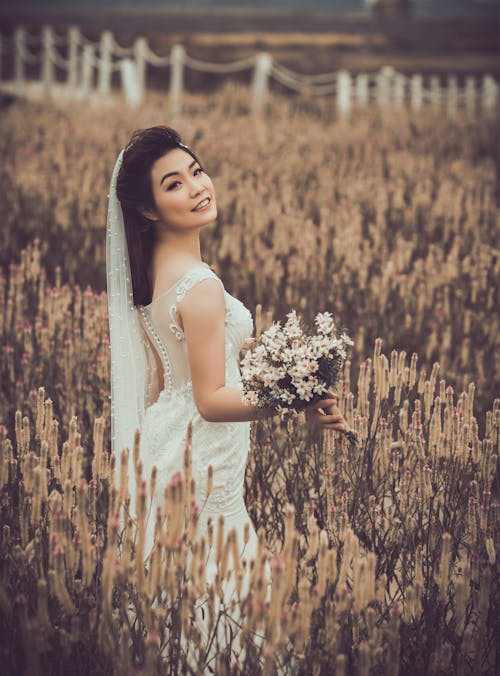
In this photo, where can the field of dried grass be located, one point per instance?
(385, 555)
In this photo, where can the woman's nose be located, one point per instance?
(195, 187)
(198, 184)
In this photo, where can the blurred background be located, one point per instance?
(386, 210)
(355, 150)
(456, 36)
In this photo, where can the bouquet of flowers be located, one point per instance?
(287, 369)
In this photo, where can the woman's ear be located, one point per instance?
(148, 213)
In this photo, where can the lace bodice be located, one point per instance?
(224, 445)
(168, 364)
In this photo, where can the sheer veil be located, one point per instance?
(128, 352)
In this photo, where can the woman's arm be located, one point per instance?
(202, 315)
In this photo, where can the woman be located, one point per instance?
(176, 334)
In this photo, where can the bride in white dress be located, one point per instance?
(176, 336)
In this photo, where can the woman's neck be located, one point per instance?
(184, 245)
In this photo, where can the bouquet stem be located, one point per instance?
(351, 436)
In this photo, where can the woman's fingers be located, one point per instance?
(331, 420)
(320, 407)
(341, 427)
(324, 419)
(331, 399)
(338, 423)
(327, 414)
(329, 405)
(333, 409)
(323, 403)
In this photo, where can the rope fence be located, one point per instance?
(86, 59)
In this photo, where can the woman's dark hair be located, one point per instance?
(134, 191)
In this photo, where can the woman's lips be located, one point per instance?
(205, 207)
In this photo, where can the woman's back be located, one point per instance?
(171, 407)
(164, 328)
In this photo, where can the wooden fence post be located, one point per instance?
(73, 43)
(451, 95)
(344, 92)
(435, 89)
(47, 74)
(263, 65)
(361, 88)
(87, 71)
(177, 55)
(106, 50)
(470, 94)
(140, 49)
(19, 47)
(416, 91)
(398, 91)
(489, 93)
(130, 81)
(383, 84)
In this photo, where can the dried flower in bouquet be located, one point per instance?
(287, 368)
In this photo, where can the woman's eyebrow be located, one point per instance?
(173, 173)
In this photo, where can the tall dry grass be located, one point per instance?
(384, 556)
(391, 222)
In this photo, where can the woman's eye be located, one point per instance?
(172, 185)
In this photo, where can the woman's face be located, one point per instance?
(179, 184)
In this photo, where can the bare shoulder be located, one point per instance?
(167, 273)
(204, 300)
(202, 310)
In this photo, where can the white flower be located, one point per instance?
(280, 372)
(287, 397)
(272, 331)
(303, 368)
(292, 327)
(324, 322)
(245, 362)
(304, 391)
(260, 351)
(320, 388)
(319, 346)
(312, 381)
(250, 398)
(299, 370)
(347, 339)
(271, 376)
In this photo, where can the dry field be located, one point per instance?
(384, 555)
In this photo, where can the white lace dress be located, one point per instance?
(224, 445)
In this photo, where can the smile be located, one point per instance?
(202, 205)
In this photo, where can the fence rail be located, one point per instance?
(85, 59)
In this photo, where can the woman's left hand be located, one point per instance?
(327, 414)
